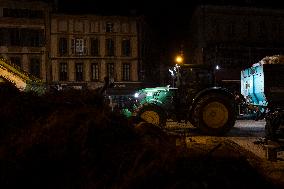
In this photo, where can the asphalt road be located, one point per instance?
(247, 137)
(242, 128)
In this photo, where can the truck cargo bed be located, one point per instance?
(263, 84)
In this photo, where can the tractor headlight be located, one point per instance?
(136, 95)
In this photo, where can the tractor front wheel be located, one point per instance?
(152, 114)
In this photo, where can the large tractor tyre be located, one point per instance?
(152, 114)
(214, 114)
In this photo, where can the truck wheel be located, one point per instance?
(214, 114)
(152, 114)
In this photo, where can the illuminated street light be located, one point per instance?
(217, 67)
(179, 59)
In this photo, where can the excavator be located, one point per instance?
(21, 79)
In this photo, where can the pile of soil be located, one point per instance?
(73, 140)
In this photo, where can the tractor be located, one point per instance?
(193, 97)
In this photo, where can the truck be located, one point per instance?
(262, 86)
(192, 97)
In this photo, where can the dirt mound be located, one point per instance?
(73, 140)
(276, 59)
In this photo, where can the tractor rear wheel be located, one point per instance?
(214, 114)
(152, 114)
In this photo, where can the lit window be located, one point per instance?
(79, 46)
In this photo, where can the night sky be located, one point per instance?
(168, 19)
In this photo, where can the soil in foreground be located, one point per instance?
(73, 140)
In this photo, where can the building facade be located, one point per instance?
(24, 35)
(72, 50)
(235, 37)
(87, 48)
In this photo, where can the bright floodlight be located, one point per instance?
(217, 67)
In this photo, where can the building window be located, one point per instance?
(276, 30)
(3, 36)
(231, 30)
(63, 71)
(21, 37)
(22, 13)
(16, 61)
(249, 27)
(126, 49)
(110, 70)
(215, 27)
(36, 38)
(95, 44)
(79, 46)
(109, 27)
(15, 37)
(62, 46)
(126, 72)
(109, 47)
(35, 67)
(95, 72)
(79, 71)
(262, 30)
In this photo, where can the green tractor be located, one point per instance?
(193, 97)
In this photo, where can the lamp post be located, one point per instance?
(217, 67)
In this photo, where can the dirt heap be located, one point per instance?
(275, 59)
(72, 140)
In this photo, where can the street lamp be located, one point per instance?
(217, 68)
(179, 59)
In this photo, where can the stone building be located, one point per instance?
(87, 48)
(71, 49)
(24, 35)
(235, 37)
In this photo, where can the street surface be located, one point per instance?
(248, 136)
(242, 128)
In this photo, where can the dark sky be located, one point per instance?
(153, 7)
(158, 12)
(168, 18)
